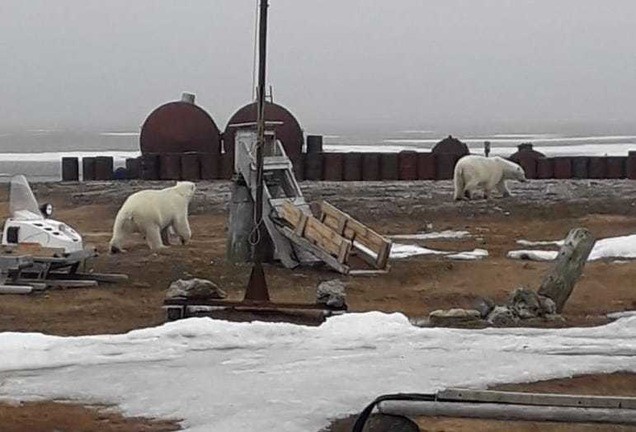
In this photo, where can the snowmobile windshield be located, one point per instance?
(22, 202)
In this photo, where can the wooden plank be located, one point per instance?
(315, 250)
(508, 412)
(290, 213)
(322, 236)
(15, 289)
(99, 277)
(384, 254)
(302, 224)
(54, 283)
(367, 272)
(564, 400)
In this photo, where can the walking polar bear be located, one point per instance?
(488, 173)
(153, 213)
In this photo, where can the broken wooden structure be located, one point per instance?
(296, 235)
(27, 268)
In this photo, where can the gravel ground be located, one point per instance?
(381, 198)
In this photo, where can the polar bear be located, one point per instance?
(153, 214)
(488, 173)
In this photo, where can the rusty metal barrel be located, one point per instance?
(529, 165)
(190, 166)
(371, 167)
(597, 168)
(313, 166)
(170, 166)
(332, 166)
(545, 168)
(88, 168)
(70, 169)
(149, 166)
(407, 165)
(226, 165)
(133, 166)
(445, 165)
(298, 162)
(104, 168)
(616, 167)
(389, 166)
(314, 143)
(209, 165)
(580, 165)
(630, 166)
(562, 167)
(426, 166)
(352, 167)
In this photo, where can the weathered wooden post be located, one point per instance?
(559, 282)
(239, 248)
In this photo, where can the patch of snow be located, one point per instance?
(475, 254)
(619, 315)
(540, 243)
(399, 251)
(533, 255)
(612, 247)
(229, 377)
(443, 235)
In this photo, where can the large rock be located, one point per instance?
(454, 317)
(331, 293)
(195, 289)
(484, 305)
(501, 316)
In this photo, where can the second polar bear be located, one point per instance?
(153, 213)
(487, 173)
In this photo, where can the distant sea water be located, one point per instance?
(37, 153)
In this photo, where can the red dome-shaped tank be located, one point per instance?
(451, 145)
(289, 132)
(179, 127)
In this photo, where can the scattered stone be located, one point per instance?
(195, 289)
(501, 316)
(548, 307)
(484, 305)
(525, 304)
(454, 317)
(554, 318)
(331, 293)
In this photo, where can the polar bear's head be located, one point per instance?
(185, 189)
(511, 170)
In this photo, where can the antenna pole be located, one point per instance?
(257, 286)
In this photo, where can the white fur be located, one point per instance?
(154, 214)
(474, 172)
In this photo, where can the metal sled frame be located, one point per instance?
(28, 269)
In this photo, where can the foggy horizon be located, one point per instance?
(449, 66)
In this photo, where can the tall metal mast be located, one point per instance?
(257, 286)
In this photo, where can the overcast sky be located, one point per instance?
(402, 63)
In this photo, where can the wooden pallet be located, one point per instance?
(369, 245)
(334, 236)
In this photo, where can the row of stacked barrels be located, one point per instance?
(180, 141)
(326, 166)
